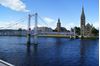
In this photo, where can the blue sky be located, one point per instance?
(15, 13)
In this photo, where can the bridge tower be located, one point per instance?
(29, 30)
(35, 29)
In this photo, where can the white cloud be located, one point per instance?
(15, 25)
(16, 5)
(12, 25)
(69, 25)
(53, 23)
(50, 22)
(47, 19)
(96, 24)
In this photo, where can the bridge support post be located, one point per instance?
(36, 29)
(29, 30)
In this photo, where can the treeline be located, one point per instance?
(94, 31)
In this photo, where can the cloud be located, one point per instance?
(53, 23)
(16, 5)
(69, 25)
(50, 22)
(47, 19)
(12, 25)
(96, 24)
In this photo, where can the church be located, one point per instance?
(86, 29)
(59, 28)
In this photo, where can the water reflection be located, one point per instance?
(82, 52)
(50, 52)
(32, 55)
(28, 48)
(58, 52)
(87, 53)
(35, 46)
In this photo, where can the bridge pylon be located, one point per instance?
(29, 28)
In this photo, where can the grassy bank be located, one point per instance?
(57, 36)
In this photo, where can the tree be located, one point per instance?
(77, 30)
(95, 32)
(20, 29)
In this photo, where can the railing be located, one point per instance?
(3, 63)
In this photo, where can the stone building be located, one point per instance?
(82, 22)
(44, 29)
(86, 29)
(59, 28)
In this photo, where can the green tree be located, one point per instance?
(95, 31)
(77, 30)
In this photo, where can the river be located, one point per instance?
(49, 51)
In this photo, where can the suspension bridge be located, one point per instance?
(33, 32)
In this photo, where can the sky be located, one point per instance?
(14, 13)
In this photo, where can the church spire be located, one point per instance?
(82, 23)
(58, 25)
(82, 14)
(58, 20)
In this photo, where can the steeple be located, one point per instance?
(58, 25)
(82, 21)
(58, 20)
(82, 14)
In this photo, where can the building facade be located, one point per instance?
(59, 28)
(86, 29)
(10, 32)
(44, 29)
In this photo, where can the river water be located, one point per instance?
(49, 52)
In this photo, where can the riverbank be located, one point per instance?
(72, 37)
(59, 36)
